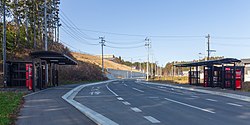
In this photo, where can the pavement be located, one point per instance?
(131, 102)
(48, 108)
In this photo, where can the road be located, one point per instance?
(131, 102)
(48, 108)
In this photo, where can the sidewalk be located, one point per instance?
(216, 89)
(48, 108)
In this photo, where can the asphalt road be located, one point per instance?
(130, 102)
(48, 108)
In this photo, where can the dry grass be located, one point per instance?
(97, 61)
(246, 86)
(170, 79)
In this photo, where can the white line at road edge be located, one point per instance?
(96, 117)
(234, 104)
(152, 119)
(195, 107)
(111, 90)
(138, 90)
(229, 95)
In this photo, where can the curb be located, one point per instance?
(229, 95)
(94, 116)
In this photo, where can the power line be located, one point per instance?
(135, 42)
(131, 47)
(77, 38)
(75, 27)
(233, 38)
(232, 45)
(139, 35)
(76, 34)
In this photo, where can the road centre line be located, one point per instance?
(136, 109)
(126, 103)
(191, 106)
(235, 104)
(194, 96)
(120, 99)
(211, 100)
(138, 90)
(152, 119)
(111, 90)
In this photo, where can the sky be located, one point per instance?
(176, 28)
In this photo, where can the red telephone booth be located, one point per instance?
(238, 79)
(29, 76)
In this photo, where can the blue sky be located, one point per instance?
(227, 21)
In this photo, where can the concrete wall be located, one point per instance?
(125, 74)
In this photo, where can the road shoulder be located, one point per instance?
(47, 107)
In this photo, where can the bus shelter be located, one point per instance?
(32, 74)
(222, 73)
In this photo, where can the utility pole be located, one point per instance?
(208, 47)
(152, 66)
(156, 68)
(26, 22)
(4, 44)
(46, 40)
(45, 26)
(140, 65)
(131, 68)
(34, 23)
(147, 44)
(102, 45)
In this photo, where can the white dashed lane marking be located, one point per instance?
(233, 104)
(138, 90)
(119, 98)
(136, 109)
(194, 96)
(126, 103)
(152, 119)
(212, 100)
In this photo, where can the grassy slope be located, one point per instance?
(9, 106)
(97, 61)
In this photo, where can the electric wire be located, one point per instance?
(131, 47)
(76, 38)
(71, 22)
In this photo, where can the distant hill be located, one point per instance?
(97, 61)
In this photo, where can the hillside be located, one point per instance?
(97, 61)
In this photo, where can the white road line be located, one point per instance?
(111, 90)
(153, 97)
(120, 99)
(152, 119)
(136, 109)
(194, 96)
(212, 100)
(125, 84)
(138, 90)
(235, 104)
(164, 90)
(205, 110)
(94, 116)
(126, 103)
